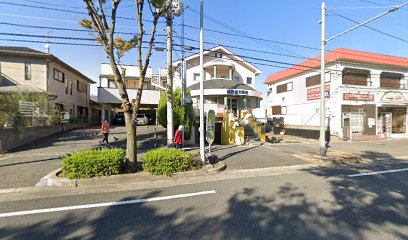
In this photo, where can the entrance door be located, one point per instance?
(233, 105)
(357, 119)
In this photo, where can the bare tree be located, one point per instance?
(116, 47)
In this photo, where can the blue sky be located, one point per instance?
(286, 21)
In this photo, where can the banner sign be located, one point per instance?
(314, 93)
(210, 131)
(358, 97)
(237, 92)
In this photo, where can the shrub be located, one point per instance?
(182, 114)
(93, 163)
(166, 161)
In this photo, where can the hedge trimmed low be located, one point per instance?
(166, 161)
(93, 163)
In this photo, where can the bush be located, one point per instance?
(93, 163)
(166, 161)
(183, 115)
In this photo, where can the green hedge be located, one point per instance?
(93, 163)
(166, 161)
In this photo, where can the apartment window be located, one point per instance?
(313, 81)
(66, 87)
(355, 77)
(236, 79)
(391, 80)
(71, 85)
(58, 75)
(284, 87)
(276, 110)
(218, 55)
(196, 77)
(81, 86)
(249, 80)
(27, 71)
(279, 110)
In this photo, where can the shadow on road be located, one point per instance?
(355, 208)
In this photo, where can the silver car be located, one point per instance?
(141, 119)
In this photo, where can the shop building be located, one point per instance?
(366, 94)
(229, 81)
(229, 90)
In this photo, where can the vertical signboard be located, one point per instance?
(210, 131)
(388, 126)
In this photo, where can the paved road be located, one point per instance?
(27, 165)
(319, 203)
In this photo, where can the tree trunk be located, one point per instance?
(170, 125)
(130, 142)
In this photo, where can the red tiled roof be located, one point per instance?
(339, 54)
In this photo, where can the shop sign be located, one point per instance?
(393, 97)
(314, 93)
(358, 97)
(237, 92)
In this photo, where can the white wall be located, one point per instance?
(131, 70)
(111, 95)
(193, 66)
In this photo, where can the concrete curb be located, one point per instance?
(53, 180)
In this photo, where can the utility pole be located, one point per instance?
(170, 127)
(202, 146)
(183, 71)
(183, 64)
(322, 139)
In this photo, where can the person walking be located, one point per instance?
(178, 140)
(105, 131)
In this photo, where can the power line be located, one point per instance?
(67, 29)
(189, 39)
(58, 37)
(374, 29)
(65, 10)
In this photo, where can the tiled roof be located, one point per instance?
(336, 55)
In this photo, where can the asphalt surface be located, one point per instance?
(317, 203)
(25, 166)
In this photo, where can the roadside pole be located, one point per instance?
(322, 139)
(170, 127)
(202, 146)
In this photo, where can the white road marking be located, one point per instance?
(6, 157)
(98, 205)
(271, 148)
(380, 172)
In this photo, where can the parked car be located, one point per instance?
(119, 119)
(141, 119)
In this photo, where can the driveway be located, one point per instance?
(25, 166)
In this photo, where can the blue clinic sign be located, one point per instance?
(237, 92)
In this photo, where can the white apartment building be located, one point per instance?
(23, 68)
(365, 91)
(229, 81)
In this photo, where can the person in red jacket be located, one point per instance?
(178, 139)
(105, 131)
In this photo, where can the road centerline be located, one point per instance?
(107, 204)
(378, 172)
